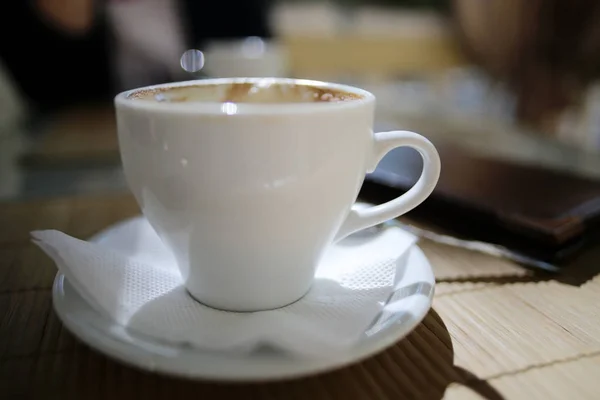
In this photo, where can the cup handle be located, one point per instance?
(359, 219)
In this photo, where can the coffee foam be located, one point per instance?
(245, 92)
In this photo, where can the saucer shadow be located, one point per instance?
(420, 366)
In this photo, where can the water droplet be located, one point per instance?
(160, 97)
(184, 162)
(192, 60)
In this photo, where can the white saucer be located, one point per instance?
(410, 303)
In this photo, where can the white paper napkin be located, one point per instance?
(142, 290)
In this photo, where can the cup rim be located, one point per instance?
(122, 100)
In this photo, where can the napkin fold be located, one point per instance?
(134, 280)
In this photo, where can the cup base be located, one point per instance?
(228, 307)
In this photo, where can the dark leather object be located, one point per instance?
(545, 214)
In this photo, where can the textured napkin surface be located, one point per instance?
(135, 281)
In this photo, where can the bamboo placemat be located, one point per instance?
(494, 332)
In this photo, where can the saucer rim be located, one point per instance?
(197, 364)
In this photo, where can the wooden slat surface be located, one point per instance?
(495, 331)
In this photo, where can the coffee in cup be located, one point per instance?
(265, 91)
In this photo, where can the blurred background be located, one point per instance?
(509, 79)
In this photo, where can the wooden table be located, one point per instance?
(495, 331)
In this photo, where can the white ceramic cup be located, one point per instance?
(249, 196)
